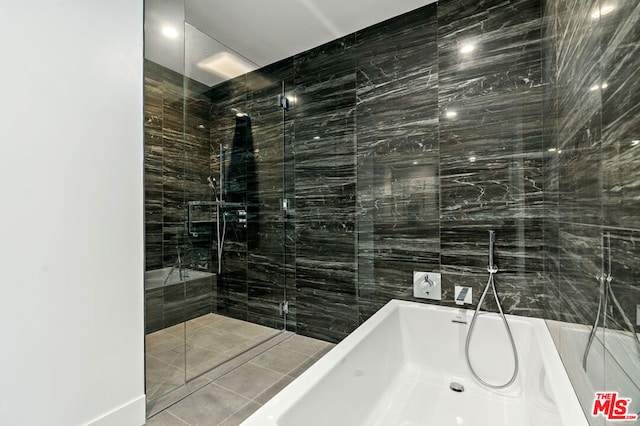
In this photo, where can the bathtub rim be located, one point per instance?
(155, 282)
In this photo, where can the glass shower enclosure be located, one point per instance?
(214, 197)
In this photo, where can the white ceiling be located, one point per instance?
(259, 31)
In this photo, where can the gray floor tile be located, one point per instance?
(200, 360)
(280, 359)
(240, 387)
(165, 419)
(305, 345)
(208, 406)
(324, 350)
(303, 367)
(241, 415)
(273, 390)
(249, 380)
(249, 330)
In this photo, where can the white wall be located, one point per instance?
(71, 212)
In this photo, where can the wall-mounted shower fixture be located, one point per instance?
(427, 285)
(242, 217)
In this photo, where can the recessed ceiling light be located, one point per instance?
(316, 138)
(599, 86)
(472, 159)
(635, 142)
(226, 64)
(451, 114)
(169, 32)
(607, 8)
(415, 163)
(467, 48)
(552, 149)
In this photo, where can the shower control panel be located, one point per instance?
(427, 285)
(242, 218)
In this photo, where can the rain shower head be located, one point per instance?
(239, 113)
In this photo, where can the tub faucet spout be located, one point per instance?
(460, 317)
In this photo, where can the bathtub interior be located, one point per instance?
(397, 369)
(369, 367)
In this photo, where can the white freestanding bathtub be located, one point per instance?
(397, 367)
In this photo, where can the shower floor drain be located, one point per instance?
(456, 387)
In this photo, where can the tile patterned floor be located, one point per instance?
(231, 398)
(210, 340)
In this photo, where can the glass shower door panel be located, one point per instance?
(234, 175)
(164, 158)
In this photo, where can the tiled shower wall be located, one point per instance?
(184, 135)
(593, 119)
(252, 282)
(176, 164)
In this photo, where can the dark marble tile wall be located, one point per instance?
(595, 100)
(620, 81)
(397, 157)
(153, 125)
(551, 300)
(380, 180)
(252, 282)
(176, 303)
(227, 100)
(176, 162)
(176, 166)
(266, 261)
(325, 189)
(421, 200)
(490, 124)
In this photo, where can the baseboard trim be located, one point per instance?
(132, 413)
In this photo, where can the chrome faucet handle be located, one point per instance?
(427, 282)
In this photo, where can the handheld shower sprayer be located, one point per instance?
(220, 233)
(492, 269)
(213, 184)
(492, 240)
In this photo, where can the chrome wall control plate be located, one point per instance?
(427, 285)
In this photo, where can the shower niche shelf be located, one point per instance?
(197, 220)
(215, 203)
